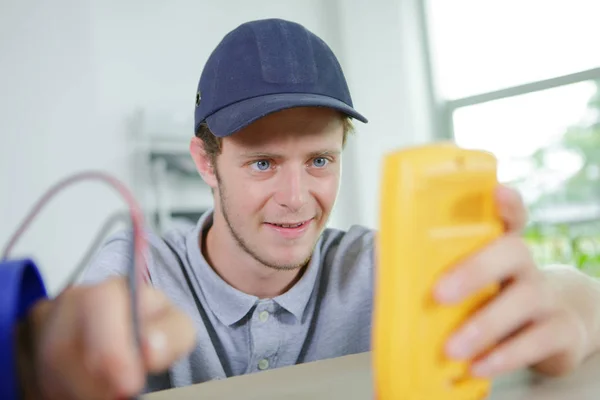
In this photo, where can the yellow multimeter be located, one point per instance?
(437, 207)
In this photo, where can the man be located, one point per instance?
(260, 282)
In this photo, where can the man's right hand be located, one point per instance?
(83, 345)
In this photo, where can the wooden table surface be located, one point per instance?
(350, 377)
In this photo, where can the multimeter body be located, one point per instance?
(437, 207)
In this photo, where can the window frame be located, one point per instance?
(444, 108)
(450, 106)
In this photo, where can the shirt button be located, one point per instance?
(263, 364)
(263, 316)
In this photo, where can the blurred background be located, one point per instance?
(110, 85)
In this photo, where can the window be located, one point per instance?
(480, 46)
(522, 80)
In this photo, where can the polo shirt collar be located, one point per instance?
(227, 303)
(297, 297)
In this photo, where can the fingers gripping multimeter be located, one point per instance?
(437, 207)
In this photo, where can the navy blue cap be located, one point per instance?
(266, 66)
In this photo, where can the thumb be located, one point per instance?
(167, 333)
(511, 208)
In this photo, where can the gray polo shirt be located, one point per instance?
(326, 314)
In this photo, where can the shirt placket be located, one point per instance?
(265, 335)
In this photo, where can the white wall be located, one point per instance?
(73, 72)
(49, 129)
(382, 55)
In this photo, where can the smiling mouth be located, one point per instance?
(291, 225)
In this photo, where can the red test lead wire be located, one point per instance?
(139, 242)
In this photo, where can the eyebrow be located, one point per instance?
(262, 154)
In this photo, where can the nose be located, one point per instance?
(292, 188)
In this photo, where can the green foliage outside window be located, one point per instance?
(574, 242)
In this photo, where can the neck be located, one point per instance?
(239, 269)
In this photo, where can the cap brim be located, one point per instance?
(234, 117)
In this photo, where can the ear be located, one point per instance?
(203, 162)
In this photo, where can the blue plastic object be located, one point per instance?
(21, 286)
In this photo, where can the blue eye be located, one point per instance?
(320, 162)
(262, 165)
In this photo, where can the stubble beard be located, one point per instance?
(244, 245)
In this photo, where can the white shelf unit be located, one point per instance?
(165, 180)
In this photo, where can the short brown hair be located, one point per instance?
(212, 143)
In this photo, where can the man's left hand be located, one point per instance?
(538, 319)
